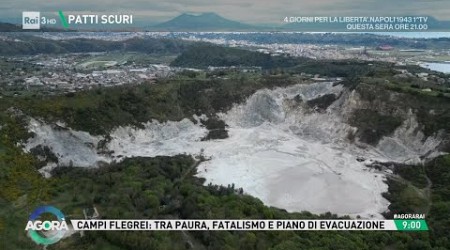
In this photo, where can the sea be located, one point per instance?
(440, 67)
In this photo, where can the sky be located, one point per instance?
(248, 11)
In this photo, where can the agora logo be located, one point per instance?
(46, 232)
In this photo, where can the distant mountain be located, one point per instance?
(201, 22)
(7, 27)
(10, 27)
(435, 24)
(23, 43)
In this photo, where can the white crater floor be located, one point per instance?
(267, 158)
(291, 173)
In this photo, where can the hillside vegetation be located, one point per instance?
(100, 110)
(31, 45)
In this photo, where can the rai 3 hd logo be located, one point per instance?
(46, 225)
(32, 20)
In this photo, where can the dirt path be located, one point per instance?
(427, 192)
